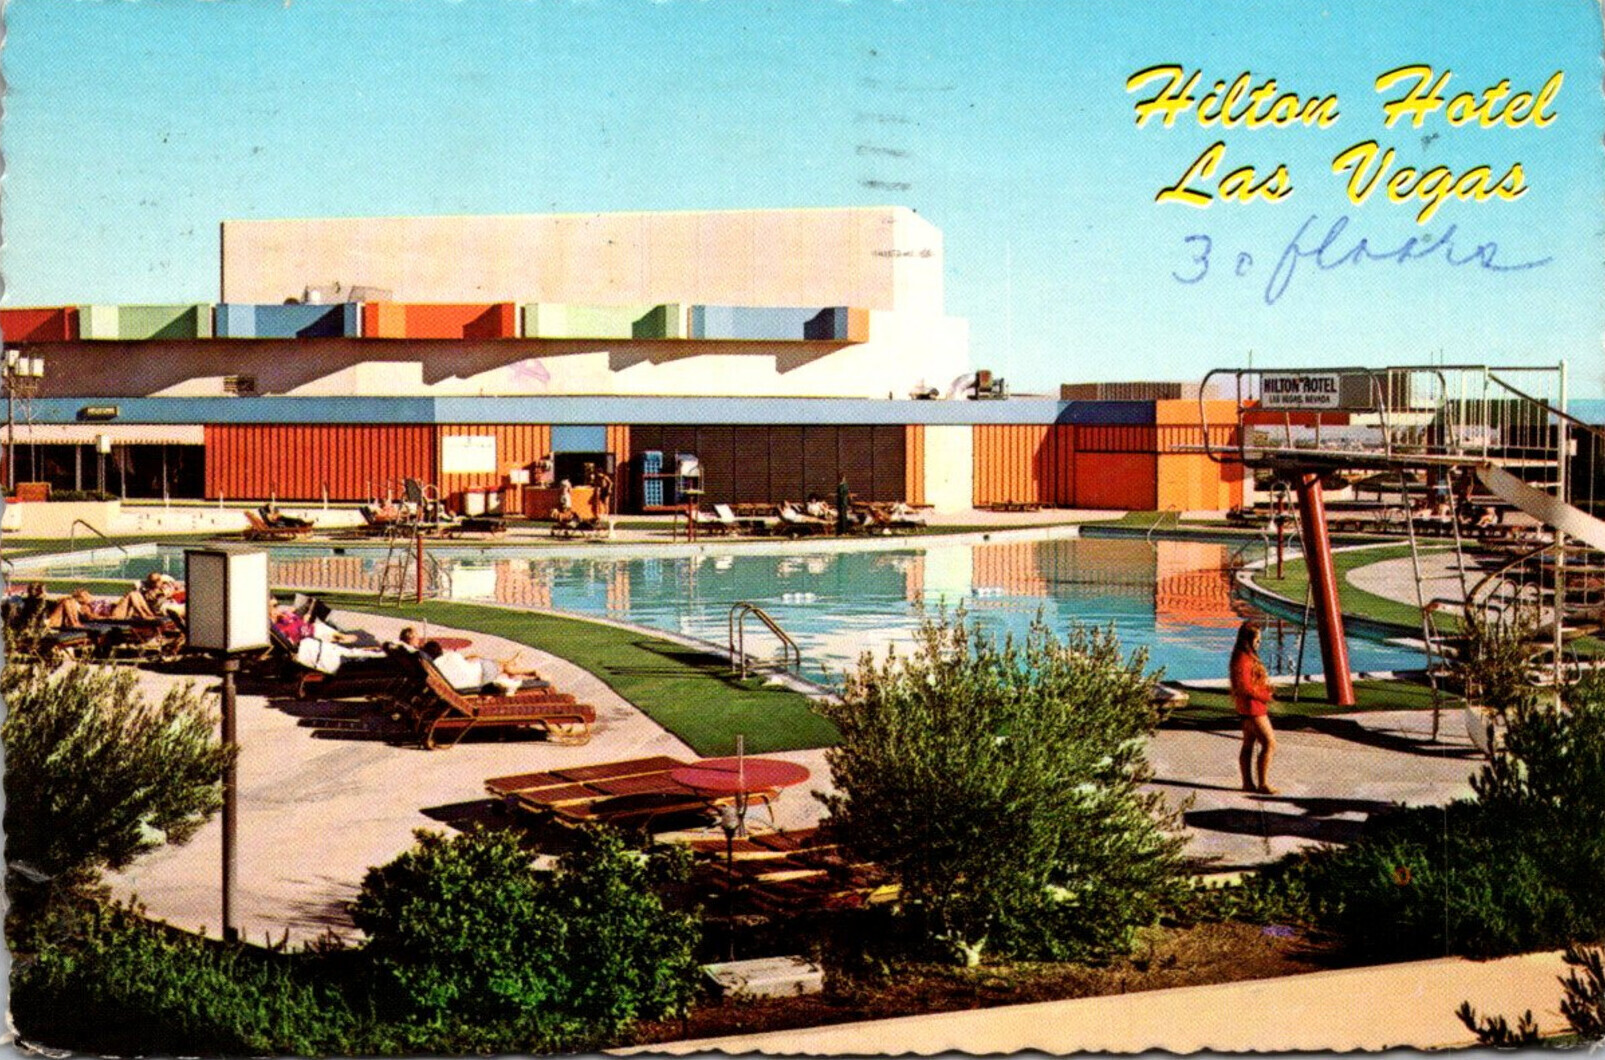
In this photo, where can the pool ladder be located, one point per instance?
(790, 654)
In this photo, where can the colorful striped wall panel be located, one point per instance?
(237, 321)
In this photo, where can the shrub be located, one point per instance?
(1515, 868)
(473, 950)
(96, 775)
(1493, 664)
(151, 990)
(998, 782)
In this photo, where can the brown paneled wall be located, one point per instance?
(769, 464)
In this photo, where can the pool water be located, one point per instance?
(1172, 598)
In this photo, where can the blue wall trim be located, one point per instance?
(589, 411)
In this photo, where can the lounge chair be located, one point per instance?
(713, 524)
(365, 675)
(159, 638)
(476, 524)
(379, 522)
(745, 524)
(794, 522)
(260, 529)
(436, 707)
(632, 792)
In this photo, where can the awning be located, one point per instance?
(119, 433)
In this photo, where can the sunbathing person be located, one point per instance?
(791, 512)
(154, 597)
(816, 508)
(144, 600)
(70, 611)
(278, 520)
(32, 605)
(297, 623)
(479, 673)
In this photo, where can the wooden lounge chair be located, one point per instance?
(261, 530)
(794, 522)
(713, 524)
(744, 524)
(633, 792)
(358, 677)
(436, 707)
(157, 638)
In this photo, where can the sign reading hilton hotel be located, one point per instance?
(1299, 390)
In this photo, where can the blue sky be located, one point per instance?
(132, 128)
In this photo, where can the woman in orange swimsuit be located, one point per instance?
(1251, 691)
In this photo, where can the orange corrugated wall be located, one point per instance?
(1193, 482)
(1188, 480)
(618, 442)
(517, 444)
(1121, 480)
(914, 463)
(253, 461)
(1024, 463)
(1062, 446)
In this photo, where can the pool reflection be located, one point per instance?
(1172, 598)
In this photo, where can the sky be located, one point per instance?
(132, 127)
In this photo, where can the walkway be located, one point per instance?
(324, 796)
(1394, 579)
(1385, 1007)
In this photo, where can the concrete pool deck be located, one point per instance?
(324, 794)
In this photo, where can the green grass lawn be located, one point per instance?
(1142, 520)
(1295, 582)
(32, 546)
(1206, 706)
(688, 691)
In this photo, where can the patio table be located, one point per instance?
(738, 778)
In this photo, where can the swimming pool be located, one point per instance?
(1171, 597)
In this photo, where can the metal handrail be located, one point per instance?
(736, 623)
(1549, 408)
(72, 537)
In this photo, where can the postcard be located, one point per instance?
(852, 528)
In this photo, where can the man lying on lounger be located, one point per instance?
(478, 673)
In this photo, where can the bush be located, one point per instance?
(1492, 666)
(472, 950)
(96, 775)
(999, 784)
(151, 990)
(1516, 868)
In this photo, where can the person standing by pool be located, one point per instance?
(1251, 691)
(843, 505)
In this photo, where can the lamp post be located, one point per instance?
(22, 376)
(226, 600)
(102, 447)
